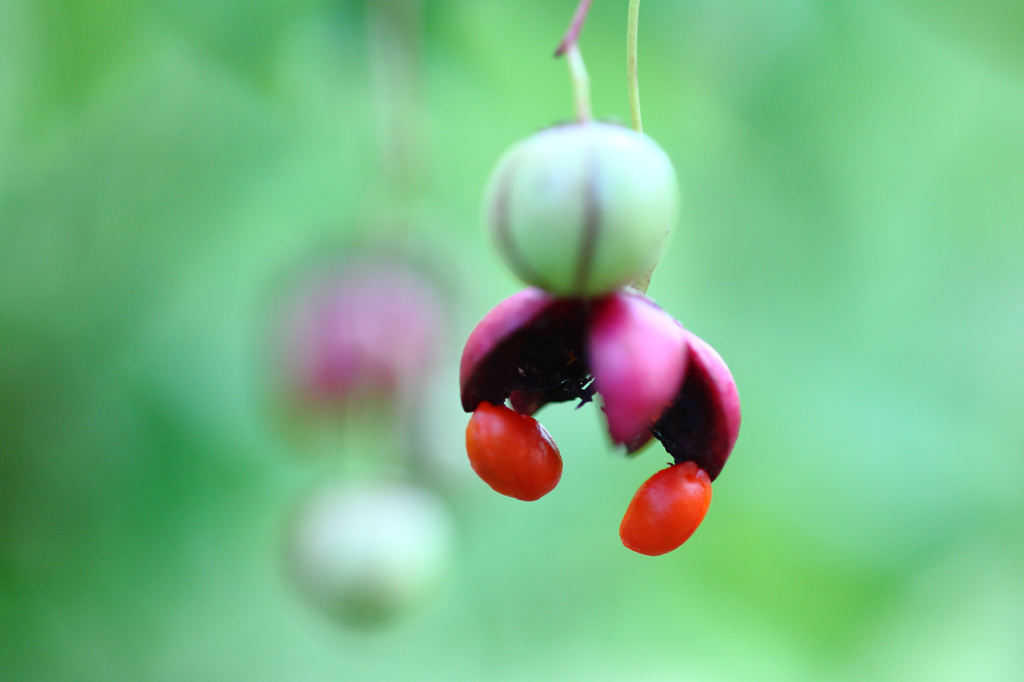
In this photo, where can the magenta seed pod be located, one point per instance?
(369, 329)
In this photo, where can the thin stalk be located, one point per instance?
(577, 69)
(580, 82)
(632, 77)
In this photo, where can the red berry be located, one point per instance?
(666, 510)
(512, 453)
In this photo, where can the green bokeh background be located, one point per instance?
(853, 245)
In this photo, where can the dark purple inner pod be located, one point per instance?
(702, 424)
(542, 361)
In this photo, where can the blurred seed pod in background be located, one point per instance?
(367, 553)
(364, 329)
(356, 340)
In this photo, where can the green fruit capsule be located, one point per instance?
(366, 553)
(582, 209)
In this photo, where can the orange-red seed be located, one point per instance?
(666, 510)
(512, 453)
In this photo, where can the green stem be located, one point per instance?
(577, 69)
(580, 82)
(632, 77)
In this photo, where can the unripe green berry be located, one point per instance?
(366, 553)
(582, 209)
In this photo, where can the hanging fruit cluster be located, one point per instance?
(580, 211)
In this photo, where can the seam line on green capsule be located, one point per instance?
(591, 225)
(500, 218)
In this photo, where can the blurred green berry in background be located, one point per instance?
(366, 553)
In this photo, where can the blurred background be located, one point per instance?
(172, 173)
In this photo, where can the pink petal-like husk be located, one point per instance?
(529, 349)
(727, 398)
(503, 319)
(637, 353)
(361, 328)
(704, 420)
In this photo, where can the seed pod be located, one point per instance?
(364, 329)
(582, 209)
